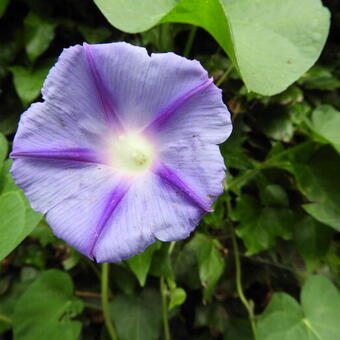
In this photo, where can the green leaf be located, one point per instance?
(275, 41)
(326, 123)
(318, 179)
(137, 317)
(134, 16)
(161, 265)
(186, 268)
(140, 264)
(17, 231)
(9, 299)
(274, 194)
(277, 125)
(28, 82)
(210, 262)
(46, 309)
(177, 297)
(316, 318)
(238, 329)
(260, 225)
(12, 224)
(312, 240)
(123, 278)
(320, 78)
(39, 32)
(177, 294)
(270, 52)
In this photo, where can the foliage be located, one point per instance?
(282, 191)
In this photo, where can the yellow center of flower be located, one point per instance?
(132, 153)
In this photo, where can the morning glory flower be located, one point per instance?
(123, 150)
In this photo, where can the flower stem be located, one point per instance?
(225, 75)
(163, 289)
(247, 304)
(105, 301)
(190, 40)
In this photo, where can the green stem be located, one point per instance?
(163, 290)
(247, 304)
(225, 75)
(190, 40)
(105, 301)
(172, 246)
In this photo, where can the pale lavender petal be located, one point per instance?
(45, 127)
(108, 109)
(172, 178)
(165, 114)
(143, 87)
(48, 182)
(150, 210)
(110, 205)
(203, 116)
(199, 165)
(73, 89)
(65, 148)
(188, 142)
(78, 218)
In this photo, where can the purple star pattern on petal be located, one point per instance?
(123, 150)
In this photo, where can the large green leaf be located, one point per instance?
(12, 224)
(276, 41)
(134, 16)
(326, 124)
(137, 317)
(46, 309)
(318, 179)
(210, 262)
(316, 319)
(271, 42)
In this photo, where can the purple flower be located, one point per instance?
(123, 150)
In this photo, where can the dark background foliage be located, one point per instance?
(277, 224)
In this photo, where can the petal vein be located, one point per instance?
(174, 180)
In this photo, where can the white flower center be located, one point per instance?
(132, 153)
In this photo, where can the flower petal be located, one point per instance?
(81, 218)
(203, 116)
(142, 87)
(72, 89)
(172, 178)
(48, 182)
(151, 209)
(46, 127)
(199, 165)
